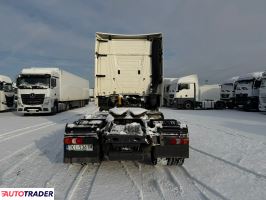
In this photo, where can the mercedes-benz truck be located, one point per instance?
(228, 92)
(50, 90)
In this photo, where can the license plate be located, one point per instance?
(80, 147)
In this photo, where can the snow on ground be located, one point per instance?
(227, 159)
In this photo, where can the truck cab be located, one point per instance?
(228, 92)
(38, 90)
(6, 93)
(185, 93)
(262, 93)
(247, 91)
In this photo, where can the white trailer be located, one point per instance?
(262, 93)
(186, 93)
(247, 91)
(228, 92)
(6, 93)
(50, 90)
(128, 70)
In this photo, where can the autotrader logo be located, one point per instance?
(27, 193)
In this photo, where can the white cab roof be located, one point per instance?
(40, 70)
(5, 79)
(249, 76)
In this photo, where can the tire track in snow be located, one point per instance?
(185, 184)
(24, 128)
(195, 180)
(157, 180)
(75, 184)
(229, 163)
(131, 177)
(27, 132)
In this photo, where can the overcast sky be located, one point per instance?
(216, 39)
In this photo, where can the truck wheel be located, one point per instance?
(220, 105)
(153, 158)
(188, 105)
(55, 109)
(180, 161)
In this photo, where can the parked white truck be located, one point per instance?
(247, 91)
(262, 93)
(186, 93)
(6, 93)
(128, 70)
(169, 87)
(128, 74)
(50, 90)
(228, 92)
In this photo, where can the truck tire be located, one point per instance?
(55, 109)
(188, 105)
(220, 105)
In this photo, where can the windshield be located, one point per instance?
(245, 82)
(227, 87)
(33, 82)
(263, 83)
(6, 87)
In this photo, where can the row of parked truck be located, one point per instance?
(247, 92)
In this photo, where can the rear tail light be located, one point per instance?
(69, 140)
(174, 141)
(79, 140)
(184, 141)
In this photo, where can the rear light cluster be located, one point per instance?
(179, 141)
(70, 140)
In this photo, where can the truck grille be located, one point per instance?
(171, 96)
(32, 99)
(241, 99)
(9, 101)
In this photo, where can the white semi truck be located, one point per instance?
(247, 91)
(262, 93)
(50, 90)
(6, 93)
(228, 92)
(128, 74)
(168, 84)
(128, 70)
(186, 93)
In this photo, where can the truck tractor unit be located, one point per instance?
(128, 83)
(7, 93)
(50, 90)
(126, 134)
(186, 93)
(247, 91)
(228, 92)
(128, 70)
(262, 93)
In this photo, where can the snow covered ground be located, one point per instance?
(227, 159)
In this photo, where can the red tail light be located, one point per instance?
(184, 141)
(79, 140)
(172, 141)
(67, 140)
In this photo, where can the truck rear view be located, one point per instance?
(128, 70)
